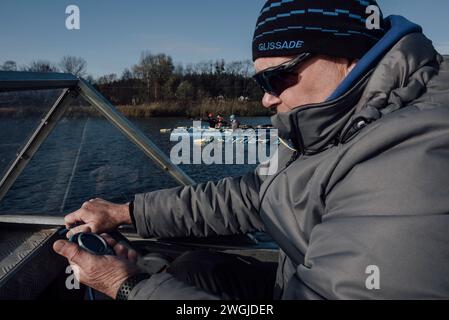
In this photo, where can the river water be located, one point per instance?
(87, 157)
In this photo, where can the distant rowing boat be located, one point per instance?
(204, 136)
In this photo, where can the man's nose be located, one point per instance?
(269, 100)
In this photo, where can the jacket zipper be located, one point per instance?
(293, 158)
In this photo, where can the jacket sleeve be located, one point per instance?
(163, 286)
(229, 206)
(384, 233)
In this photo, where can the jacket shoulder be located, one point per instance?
(397, 165)
(407, 126)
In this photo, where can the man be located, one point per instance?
(220, 121)
(235, 124)
(211, 120)
(360, 208)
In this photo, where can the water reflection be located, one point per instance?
(87, 157)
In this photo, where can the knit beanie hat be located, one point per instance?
(336, 28)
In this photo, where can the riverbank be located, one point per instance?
(188, 109)
(195, 109)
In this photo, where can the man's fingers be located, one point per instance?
(69, 250)
(121, 251)
(132, 255)
(109, 240)
(72, 219)
(79, 229)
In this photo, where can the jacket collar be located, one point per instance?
(314, 128)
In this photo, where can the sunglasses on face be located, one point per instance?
(276, 80)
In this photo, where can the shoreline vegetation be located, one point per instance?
(187, 109)
(154, 87)
(195, 109)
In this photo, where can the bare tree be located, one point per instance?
(179, 69)
(190, 69)
(154, 70)
(127, 75)
(89, 78)
(243, 68)
(42, 66)
(9, 66)
(204, 67)
(247, 68)
(107, 79)
(73, 65)
(219, 66)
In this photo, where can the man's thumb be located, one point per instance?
(68, 249)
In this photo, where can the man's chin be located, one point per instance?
(284, 109)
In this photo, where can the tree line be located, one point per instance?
(69, 64)
(156, 81)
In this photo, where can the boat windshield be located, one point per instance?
(84, 157)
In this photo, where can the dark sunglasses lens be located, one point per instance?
(282, 81)
(263, 82)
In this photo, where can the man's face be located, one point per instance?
(318, 78)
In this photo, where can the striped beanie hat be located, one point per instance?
(336, 28)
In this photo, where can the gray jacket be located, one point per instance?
(369, 187)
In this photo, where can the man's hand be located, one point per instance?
(98, 216)
(102, 273)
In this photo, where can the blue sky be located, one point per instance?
(114, 33)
